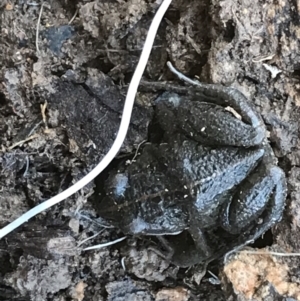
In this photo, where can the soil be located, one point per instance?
(61, 97)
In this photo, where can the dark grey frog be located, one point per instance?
(214, 176)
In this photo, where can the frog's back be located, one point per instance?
(209, 172)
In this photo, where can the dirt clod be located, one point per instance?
(176, 294)
(255, 276)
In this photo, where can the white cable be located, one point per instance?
(135, 81)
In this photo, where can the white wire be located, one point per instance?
(135, 81)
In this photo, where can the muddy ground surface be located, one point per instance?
(61, 97)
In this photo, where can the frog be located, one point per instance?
(213, 177)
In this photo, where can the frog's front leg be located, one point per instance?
(199, 238)
(193, 245)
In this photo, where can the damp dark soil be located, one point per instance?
(61, 97)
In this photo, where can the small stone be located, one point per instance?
(173, 294)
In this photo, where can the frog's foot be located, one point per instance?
(181, 251)
(168, 253)
(258, 204)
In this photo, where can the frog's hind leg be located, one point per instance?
(227, 96)
(275, 206)
(262, 197)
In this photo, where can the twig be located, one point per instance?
(89, 238)
(23, 141)
(126, 116)
(123, 263)
(43, 112)
(27, 167)
(270, 253)
(34, 128)
(136, 153)
(261, 58)
(100, 246)
(180, 75)
(102, 117)
(93, 220)
(38, 29)
(215, 279)
(73, 18)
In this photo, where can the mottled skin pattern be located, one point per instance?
(214, 171)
